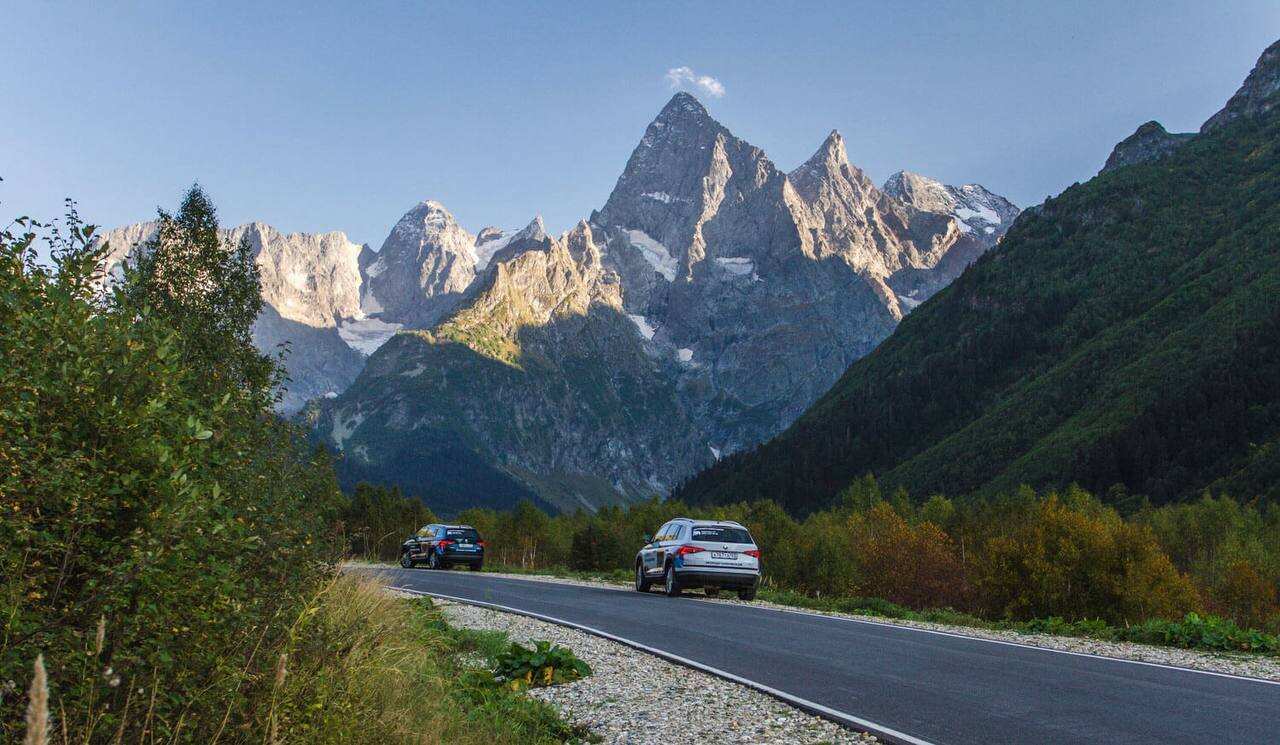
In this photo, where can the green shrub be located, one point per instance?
(148, 492)
(543, 664)
(1203, 632)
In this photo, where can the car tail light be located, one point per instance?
(752, 552)
(688, 550)
(445, 543)
(482, 544)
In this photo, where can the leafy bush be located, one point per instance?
(543, 664)
(1077, 561)
(1203, 632)
(161, 526)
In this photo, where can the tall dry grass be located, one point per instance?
(357, 666)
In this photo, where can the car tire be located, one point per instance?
(670, 582)
(433, 561)
(747, 594)
(642, 582)
(711, 592)
(405, 561)
(476, 566)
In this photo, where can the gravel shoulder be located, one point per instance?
(632, 697)
(1253, 666)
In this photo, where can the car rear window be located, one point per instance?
(463, 534)
(721, 534)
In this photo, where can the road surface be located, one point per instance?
(906, 685)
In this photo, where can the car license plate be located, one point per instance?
(723, 555)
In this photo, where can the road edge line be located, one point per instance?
(889, 623)
(888, 734)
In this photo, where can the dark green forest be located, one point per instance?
(1124, 336)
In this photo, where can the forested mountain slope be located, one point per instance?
(1126, 332)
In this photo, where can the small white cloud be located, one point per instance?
(685, 77)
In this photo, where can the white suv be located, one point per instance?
(709, 554)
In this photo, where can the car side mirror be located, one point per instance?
(648, 539)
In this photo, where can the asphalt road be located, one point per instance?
(935, 687)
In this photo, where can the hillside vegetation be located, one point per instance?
(1125, 336)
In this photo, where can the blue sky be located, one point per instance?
(338, 118)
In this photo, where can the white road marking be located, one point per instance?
(958, 635)
(864, 725)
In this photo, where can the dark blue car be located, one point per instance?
(443, 546)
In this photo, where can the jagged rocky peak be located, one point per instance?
(1149, 142)
(665, 167)
(687, 172)
(425, 264)
(580, 242)
(829, 168)
(978, 209)
(506, 246)
(1258, 94)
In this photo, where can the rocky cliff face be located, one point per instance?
(1256, 96)
(1150, 142)
(422, 269)
(699, 311)
(538, 386)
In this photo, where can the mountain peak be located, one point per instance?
(1148, 142)
(829, 161)
(913, 188)
(976, 208)
(832, 150)
(430, 205)
(535, 230)
(683, 105)
(1257, 96)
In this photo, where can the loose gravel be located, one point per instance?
(632, 697)
(1249, 665)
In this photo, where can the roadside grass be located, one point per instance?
(363, 666)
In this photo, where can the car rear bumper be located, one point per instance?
(708, 577)
(462, 557)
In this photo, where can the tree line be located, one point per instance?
(1019, 556)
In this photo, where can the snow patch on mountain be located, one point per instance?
(972, 205)
(739, 265)
(655, 253)
(365, 335)
(485, 251)
(646, 329)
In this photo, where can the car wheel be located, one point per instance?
(747, 593)
(711, 592)
(670, 584)
(433, 561)
(642, 582)
(405, 561)
(476, 566)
